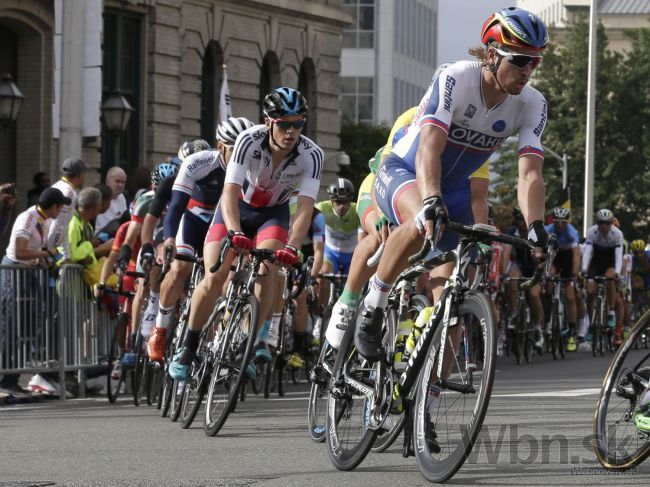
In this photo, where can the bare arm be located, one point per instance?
(530, 188)
(575, 268)
(301, 221)
(505, 258)
(479, 190)
(109, 265)
(427, 160)
(148, 226)
(230, 206)
(319, 248)
(23, 253)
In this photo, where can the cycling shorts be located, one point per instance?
(259, 224)
(564, 262)
(601, 261)
(191, 233)
(364, 202)
(394, 178)
(338, 260)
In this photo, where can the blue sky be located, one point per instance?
(459, 25)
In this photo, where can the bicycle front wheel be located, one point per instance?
(229, 369)
(319, 377)
(448, 413)
(618, 443)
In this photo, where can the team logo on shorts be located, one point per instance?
(499, 126)
(471, 110)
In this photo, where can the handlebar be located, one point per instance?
(260, 254)
(374, 259)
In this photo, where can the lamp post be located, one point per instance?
(10, 100)
(116, 112)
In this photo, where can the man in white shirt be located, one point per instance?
(73, 178)
(116, 180)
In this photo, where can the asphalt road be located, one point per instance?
(537, 432)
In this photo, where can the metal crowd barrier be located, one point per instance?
(49, 325)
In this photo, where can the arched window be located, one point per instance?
(211, 76)
(269, 77)
(307, 86)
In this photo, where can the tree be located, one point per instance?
(360, 141)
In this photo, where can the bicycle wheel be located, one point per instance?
(155, 378)
(178, 390)
(114, 385)
(201, 369)
(349, 439)
(165, 398)
(319, 377)
(229, 369)
(140, 377)
(555, 331)
(448, 414)
(269, 374)
(618, 443)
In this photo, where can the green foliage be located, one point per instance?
(360, 141)
(622, 147)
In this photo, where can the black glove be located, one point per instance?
(433, 209)
(125, 256)
(147, 254)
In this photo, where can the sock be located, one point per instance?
(264, 332)
(377, 296)
(149, 316)
(349, 298)
(273, 334)
(191, 342)
(572, 329)
(165, 316)
(299, 338)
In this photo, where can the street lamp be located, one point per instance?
(342, 159)
(10, 100)
(116, 112)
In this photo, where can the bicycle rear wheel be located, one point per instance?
(141, 376)
(448, 414)
(114, 356)
(229, 369)
(319, 378)
(618, 443)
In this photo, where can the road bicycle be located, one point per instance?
(446, 384)
(559, 328)
(601, 334)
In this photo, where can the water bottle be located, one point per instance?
(403, 331)
(419, 325)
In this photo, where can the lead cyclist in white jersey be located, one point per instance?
(269, 162)
(466, 114)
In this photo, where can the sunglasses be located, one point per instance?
(604, 223)
(286, 125)
(520, 61)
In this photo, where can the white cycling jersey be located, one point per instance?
(454, 103)
(201, 176)
(252, 169)
(596, 241)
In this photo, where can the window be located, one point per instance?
(414, 31)
(121, 72)
(357, 99)
(307, 87)
(269, 78)
(360, 34)
(211, 78)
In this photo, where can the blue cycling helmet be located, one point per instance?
(283, 102)
(515, 27)
(163, 171)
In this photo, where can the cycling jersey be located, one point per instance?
(454, 103)
(568, 239)
(340, 232)
(141, 206)
(128, 282)
(251, 168)
(197, 189)
(606, 250)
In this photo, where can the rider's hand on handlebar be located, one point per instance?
(382, 227)
(287, 256)
(147, 255)
(433, 211)
(240, 243)
(538, 237)
(160, 256)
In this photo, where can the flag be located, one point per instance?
(225, 110)
(565, 198)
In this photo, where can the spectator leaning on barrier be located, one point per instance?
(8, 201)
(110, 220)
(27, 246)
(41, 181)
(74, 175)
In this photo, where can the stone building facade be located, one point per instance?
(167, 57)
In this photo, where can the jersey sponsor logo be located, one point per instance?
(471, 110)
(542, 122)
(257, 154)
(306, 145)
(499, 126)
(259, 135)
(474, 138)
(449, 88)
(267, 161)
(198, 163)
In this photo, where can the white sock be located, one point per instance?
(150, 313)
(164, 317)
(377, 296)
(273, 335)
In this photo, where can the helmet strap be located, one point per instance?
(273, 138)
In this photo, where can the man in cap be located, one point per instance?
(74, 175)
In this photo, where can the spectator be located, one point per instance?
(116, 180)
(107, 197)
(27, 246)
(140, 183)
(74, 175)
(41, 181)
(8, 200)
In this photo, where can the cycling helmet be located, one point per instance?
(341, 190)
(228, 130)
(604, 216)
(637, 245)
(190, 147)
(163, 171)
(517, 214)
(283, 102)
(515, 27)
(561, 213)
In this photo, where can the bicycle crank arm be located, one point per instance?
(455, 386)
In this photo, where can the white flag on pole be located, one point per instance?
(225, 109)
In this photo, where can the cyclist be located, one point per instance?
(341, 230)
(517, 263)
(567, 264)
(270, 161)
(602, 255)
(640, 273)
(467, 112)
(195, 195)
